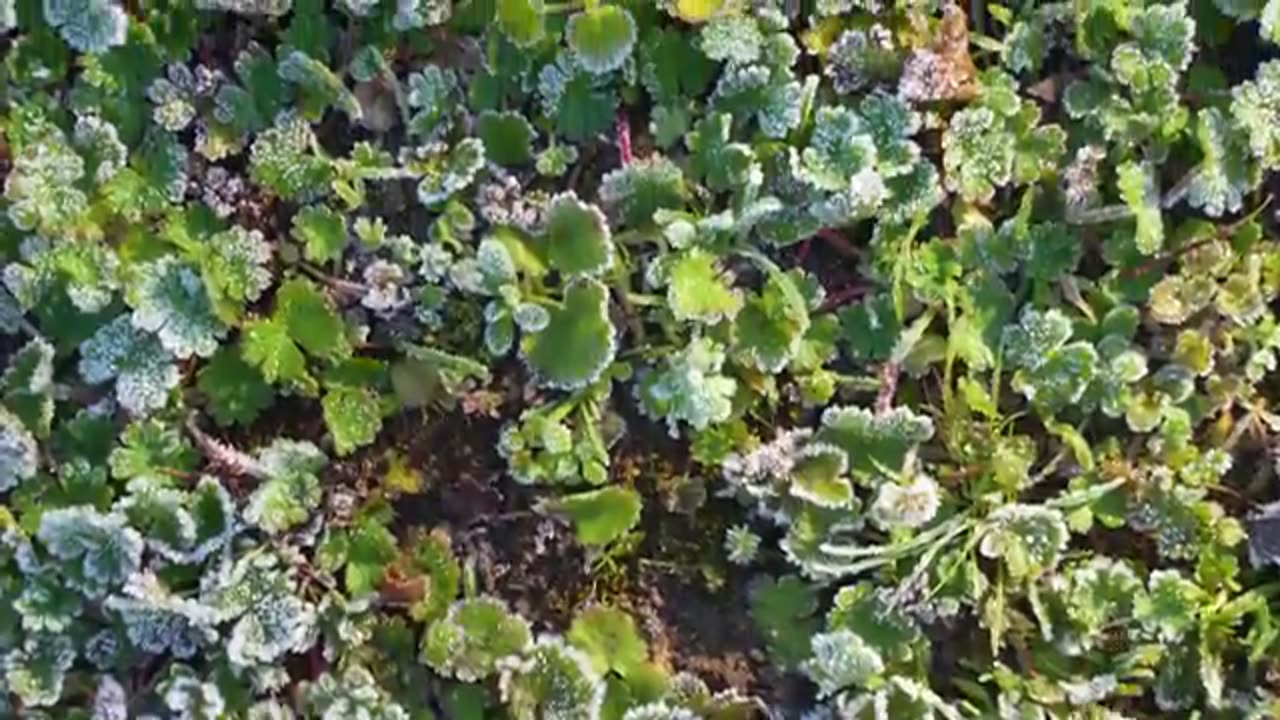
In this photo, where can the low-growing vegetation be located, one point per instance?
(639, 360)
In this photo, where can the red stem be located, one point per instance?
(888, 387)
(802, 252)
(622, 126)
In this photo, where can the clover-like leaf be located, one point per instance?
(322, 232)
(579, 342)
(602, 37)
(578, 239)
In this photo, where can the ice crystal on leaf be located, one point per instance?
(170, 300)
(910, 505)
(861, 57)
(290, 489)
(158, 621)
(97, 552)
(270, 618)
(741, 545)
(352, 695)
(19, 458)
(735, 38)
(1255, 105)
(282, 160)
(89, 26)
(189, 697)
(468, 642)
(841, 659)
(36, 671)
(635, 192)
(551, 681)
(1029, 539)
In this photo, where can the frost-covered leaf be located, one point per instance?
(578, 238)
(578, 342)
(551, 680)
(36, 671)
(88, 26)
(447, 171)
(1138, 190)
(818, 476)
(283, 160)
(143, 370)
(291, 487)
(635, 192)
(1170, 606)
(601, 37)
(1226, 171)
(170, 300)
(19, 455)
(469, 641)
(1029, 539)
(353, 416)
(690, 387)
(841, 660)
(97, 551)
(873, 441)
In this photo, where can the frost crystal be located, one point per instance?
(860, 57)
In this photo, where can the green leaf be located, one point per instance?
(578, 343)
(353, 415)
(578, 239)
(266, 345)
(312, 320)
(322, 232)
(522, 21)
(599, 516)
(769, 328)
(783, 610)
(235, 391)
(698, 290)
(468, 642)
(609, 637)
(602, 37)
(584, 110)
(370, 548)
(507, 136)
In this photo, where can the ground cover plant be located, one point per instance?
(671, 360)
